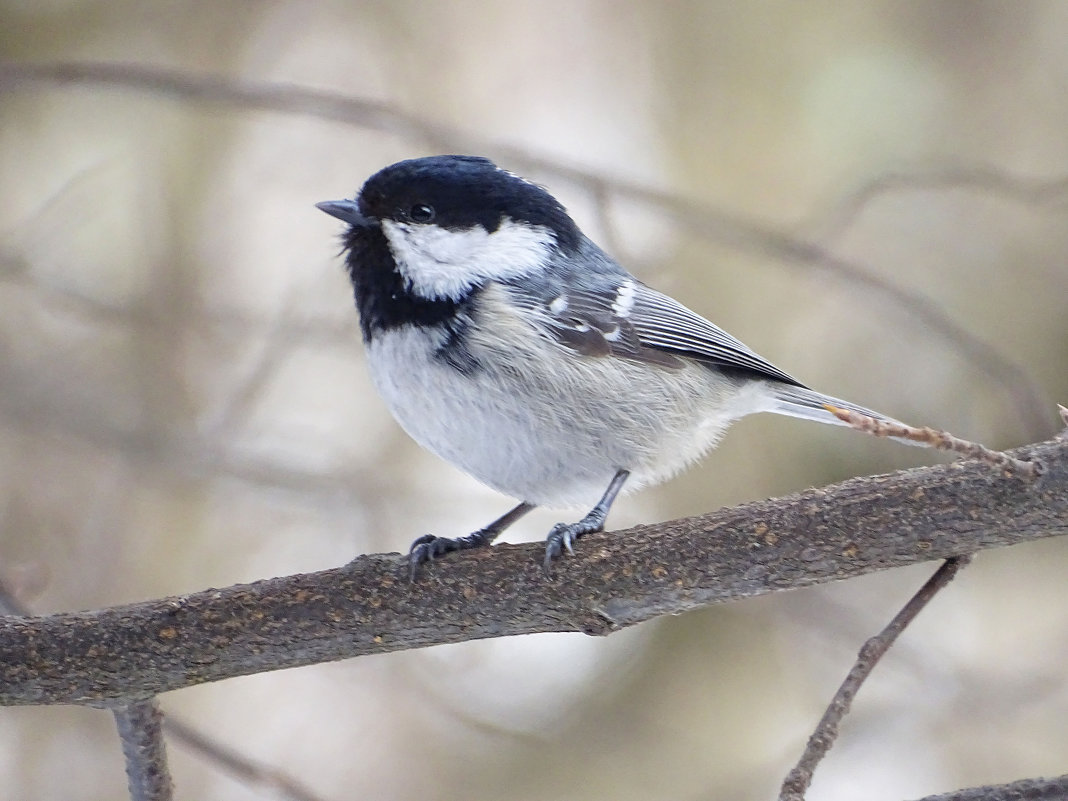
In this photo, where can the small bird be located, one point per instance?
(509, 344)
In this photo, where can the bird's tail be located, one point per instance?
(810, 405)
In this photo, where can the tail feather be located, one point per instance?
(810, 405)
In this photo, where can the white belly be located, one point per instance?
(554, 431)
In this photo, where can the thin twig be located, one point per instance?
(799, 779)
(935, 438)
(140, 730)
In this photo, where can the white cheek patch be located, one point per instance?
(439, 263)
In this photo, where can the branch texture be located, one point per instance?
(1055, 789)
(862, 525)
(140, 726)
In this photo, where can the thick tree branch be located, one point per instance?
(862, 525)
(140, 728)
(1055, 789)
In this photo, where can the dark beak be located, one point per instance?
(346, 211)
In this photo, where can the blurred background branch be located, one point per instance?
(1026, 396)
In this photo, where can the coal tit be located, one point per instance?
(509, 344)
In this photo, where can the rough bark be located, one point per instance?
(130, 652)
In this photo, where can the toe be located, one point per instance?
(424, 549)
(568, 538)
(421, 542)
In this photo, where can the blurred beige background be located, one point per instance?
(183, 401)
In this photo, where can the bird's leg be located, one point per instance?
(429, 547)
(564, 534)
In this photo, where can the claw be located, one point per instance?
(564, 535)
(561, 538)
(419, 552)
(413, 566)
(426, 549)
(429, 547)
(552, 550)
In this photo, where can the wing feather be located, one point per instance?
(663, 322)
(629, 320)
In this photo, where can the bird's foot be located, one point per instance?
(429, 547)
(563, 536)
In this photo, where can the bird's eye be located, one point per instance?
(421, 213)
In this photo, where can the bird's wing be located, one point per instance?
(629, 320)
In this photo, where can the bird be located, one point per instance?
(505, 341)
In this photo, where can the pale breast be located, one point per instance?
(540, 423)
